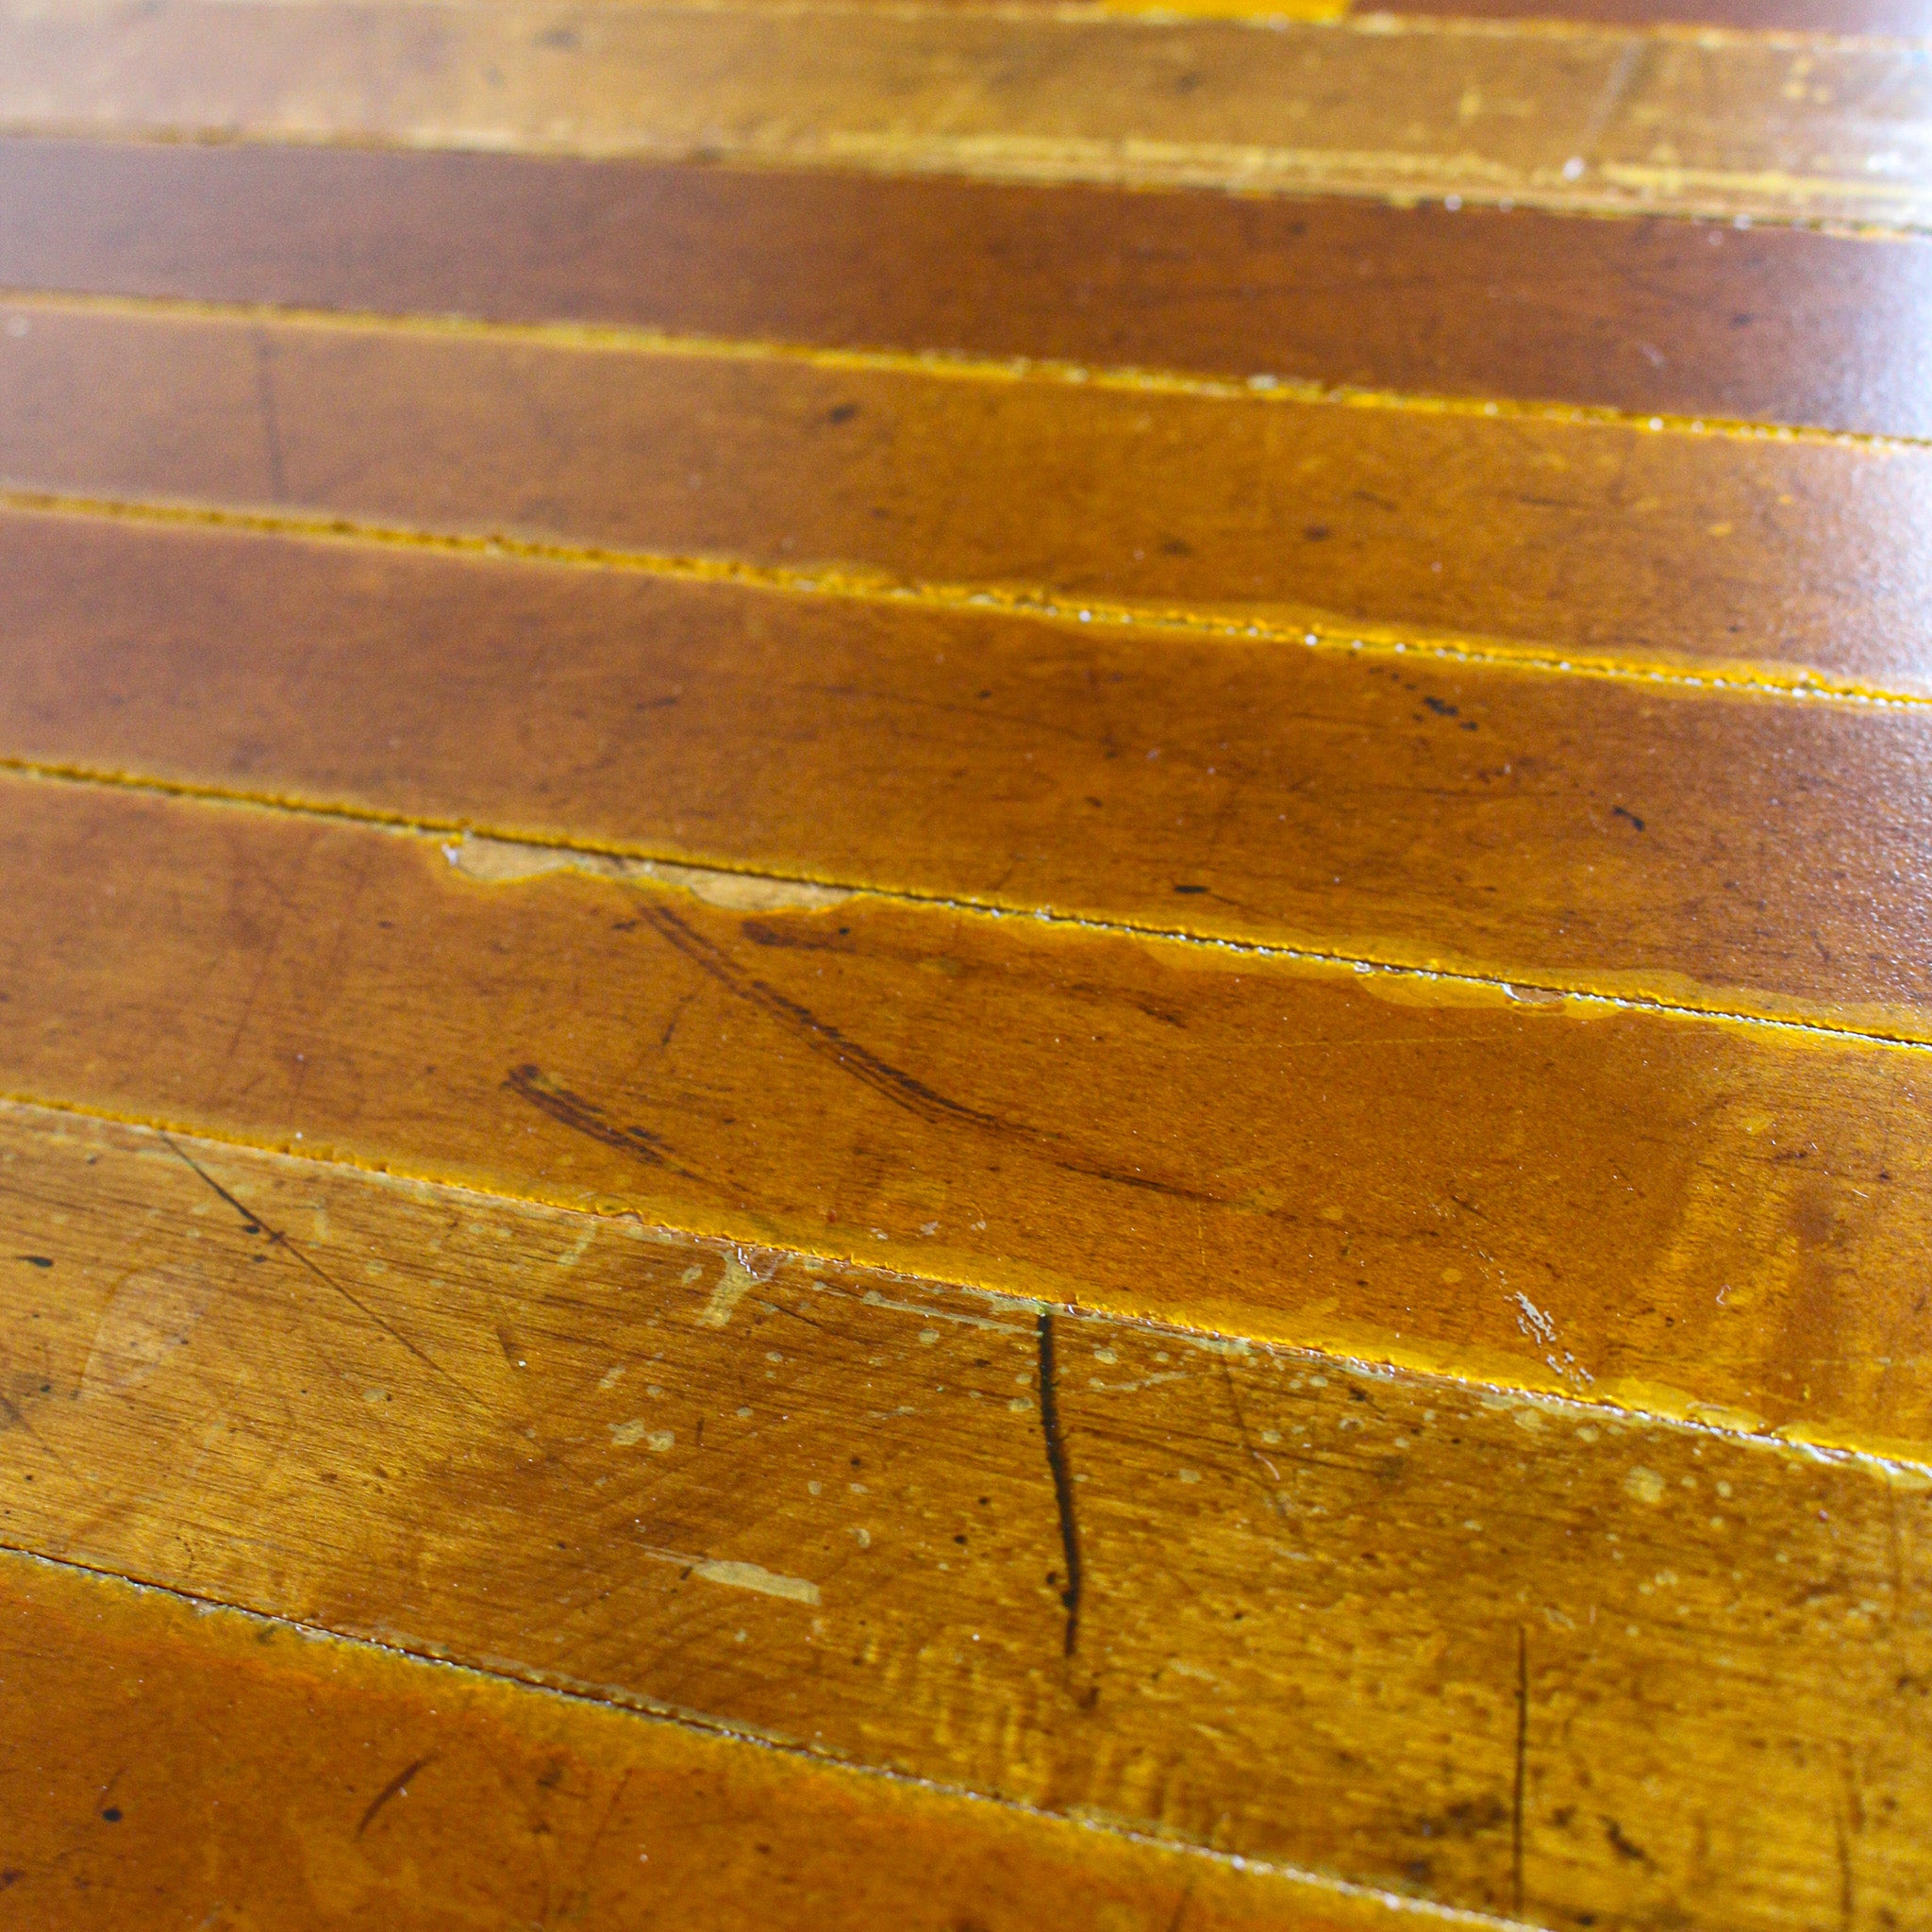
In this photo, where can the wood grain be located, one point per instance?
(1515, 535)
(173, 1763)
(1648, 315)
(1608, 835)
(1688, 1216)
(1592, 119)
(1318, 1608)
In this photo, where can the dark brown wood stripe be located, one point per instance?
(1777, 324)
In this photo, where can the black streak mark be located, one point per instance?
(880, 1075)
(1617, 811)
(394, 1789)
(253, 1223)
(1062, 1482)
(892, 1083)
(587, 1117)
(36, 1260)
(1522, 1766)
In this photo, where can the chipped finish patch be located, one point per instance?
(503, 862)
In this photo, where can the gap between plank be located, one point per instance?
(682, 874)
(600, 338)
(859, 585)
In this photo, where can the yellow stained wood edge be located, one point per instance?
(1431, 1640)
(1596, 121)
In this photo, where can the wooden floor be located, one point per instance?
(966, 966)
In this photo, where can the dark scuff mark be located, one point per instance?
(586, 1117)
(253, 1223)
(1522, 1768)
(1623, 1846)
(394, 1789)
(1617, 811)
(1063, 1481)
(891, 1083)
(1254, 1455)
(36, 1260)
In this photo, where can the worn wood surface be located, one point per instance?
(1602, 119)
(1647, 315)
(1681, 1214)
(899, 1025)
(1616, 835)
(1734, 554)
(1519, 1652)
(171, 1763)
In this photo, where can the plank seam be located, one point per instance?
(859, 586)
(1264, 388)
(1788, 1442)
(401, 826)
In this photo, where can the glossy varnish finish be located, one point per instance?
(1522, 535)
(873, 1075)
(1618, 836)
(819, 1503)
(1647, 315)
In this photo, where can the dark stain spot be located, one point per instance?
(113, 1814)
(1316, 533)
(1617, 811)
(36, 1260)
(843, 412)
(1191, 890)
(1441, 708)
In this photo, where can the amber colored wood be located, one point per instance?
(1761, 324)
(1476, 1651)
(1685, 1215)
(169, 1763)
(1593, 119)
(1605, 835)
(1531, 536)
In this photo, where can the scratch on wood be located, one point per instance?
(394, 1789)
(1063, 1481)
(253, 1223)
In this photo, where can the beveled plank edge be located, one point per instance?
(1311, 629)
(1262, 388)
(500, 855)
(1906, 1464)
(1366, 1905)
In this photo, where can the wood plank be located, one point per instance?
(1684, 1215)
(1353, 1621)
(1646, 315)
(1593, 119)
(1599, 834)
(173, 1763)
(1515, 535)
